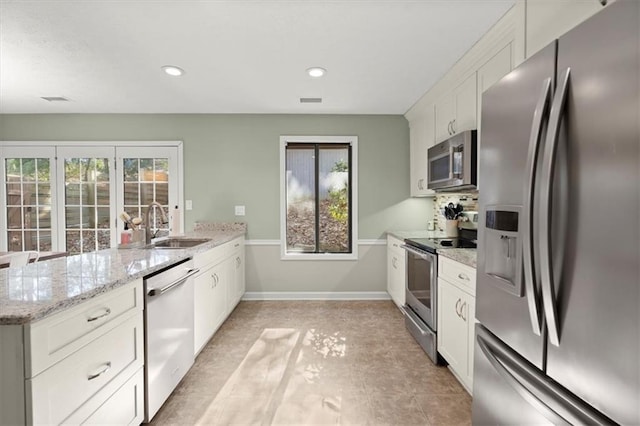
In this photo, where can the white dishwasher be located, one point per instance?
(168, 332)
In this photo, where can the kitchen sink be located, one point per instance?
(178, 243)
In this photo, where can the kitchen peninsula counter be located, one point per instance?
(40, 289)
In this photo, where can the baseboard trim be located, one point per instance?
(316, 295)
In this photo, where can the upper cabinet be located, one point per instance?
(421, 138)
(456, 110)
(549, 19)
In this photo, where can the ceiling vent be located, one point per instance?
(55, 98)
(310, 100)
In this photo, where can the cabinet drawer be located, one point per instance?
(215, 255)
(59, 391)
(56, 337)
(457, 273)
(121, 402)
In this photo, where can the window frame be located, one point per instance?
(353, 142)
(19, 148)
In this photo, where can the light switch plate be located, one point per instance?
(188, 204)
(239, 210)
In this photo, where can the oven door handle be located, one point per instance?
(422, 254)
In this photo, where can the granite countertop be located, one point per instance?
(465, 256)
(416, 234)
(39, 289)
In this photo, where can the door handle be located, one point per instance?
(174, 284)
(453, 127)
(535, 138)
(458, 308)
(548, 166)
(462, 312)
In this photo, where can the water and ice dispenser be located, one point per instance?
(503, 248)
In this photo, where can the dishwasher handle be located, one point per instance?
(174, 284)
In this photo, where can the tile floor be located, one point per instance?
(315, 362)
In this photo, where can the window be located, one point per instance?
(318, 213)
(67, 196)
(28, 201)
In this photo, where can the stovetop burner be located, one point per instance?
(466, 240)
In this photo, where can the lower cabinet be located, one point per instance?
(81, 365)
(456, 318)
(218, 288)
(210, 303)
(396, 276)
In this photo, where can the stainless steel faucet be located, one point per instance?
(147, 222)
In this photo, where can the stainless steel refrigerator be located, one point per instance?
(558, 287)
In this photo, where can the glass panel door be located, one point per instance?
(28, 197)
(145, 175)
(87, 175)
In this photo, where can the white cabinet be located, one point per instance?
(236, 273)
(456, 110)
(421, 138)
(456, 318)
(218, 288)
(396, 276)
(67, 366)
(549, 19)
(210, 303)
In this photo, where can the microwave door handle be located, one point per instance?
(535, 138)
(451, 150)
(548, 165)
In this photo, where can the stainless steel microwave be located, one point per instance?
(453, 163)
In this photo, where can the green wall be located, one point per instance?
(233, 159)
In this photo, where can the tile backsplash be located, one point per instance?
(468, 200)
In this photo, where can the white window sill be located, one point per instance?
(319, 256)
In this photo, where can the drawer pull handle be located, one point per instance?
(97, 317)
(237, 245)
(463, 277)
(106, 368)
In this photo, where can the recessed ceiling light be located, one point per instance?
(316, 72)
(173, 71)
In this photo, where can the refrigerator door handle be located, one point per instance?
(539, 115)
(554, 402)
(548, 165)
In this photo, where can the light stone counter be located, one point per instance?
(416, 234)
(30, 293)
(464, 256)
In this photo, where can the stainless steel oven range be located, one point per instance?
(421, 292)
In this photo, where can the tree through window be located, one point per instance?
(318, 197)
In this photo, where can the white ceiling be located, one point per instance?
(239, 56)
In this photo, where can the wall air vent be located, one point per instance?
(55, 98)
(310, 100)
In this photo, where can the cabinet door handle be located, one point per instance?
(449, 128)
(394, 263)
(453, 127)
(238, 262)
(458, 307)
(462, 312)
(104, 369)
(463, 277)
(107, 311)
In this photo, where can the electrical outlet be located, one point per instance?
(188, 204)
(239, 210)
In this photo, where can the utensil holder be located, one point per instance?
(138, 236)
(451, 227)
